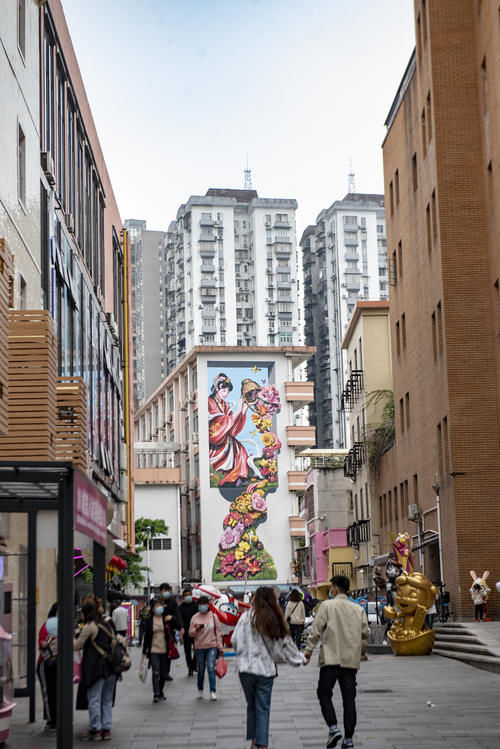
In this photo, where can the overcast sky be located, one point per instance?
(182, 90)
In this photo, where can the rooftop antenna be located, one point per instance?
(248, 177)
(351, 184)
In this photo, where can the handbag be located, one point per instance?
(221, 667)
(172, 652)
(143, 671)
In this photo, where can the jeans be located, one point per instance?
(100, 697)
(328, 676)
(208, 657)
(188, 652)
(160, 666)
(257, 691)
(296, 633)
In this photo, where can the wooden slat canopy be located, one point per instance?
(6, 301)
(71, 435)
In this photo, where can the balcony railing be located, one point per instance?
(343, 568)
(354, 460)
(358, 532)
(352, 391)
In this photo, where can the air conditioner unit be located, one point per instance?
(344, 285)
(183, 405)
(48, 167)
(413, 512)
(70, 222)
(194, 438)
(170, 419)
(200, 306)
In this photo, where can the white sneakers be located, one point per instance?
(213, 696)
(200, 694)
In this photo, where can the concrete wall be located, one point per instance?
(161, 502)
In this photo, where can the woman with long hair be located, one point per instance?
(47, 667)
(295, 615)
(261, 638)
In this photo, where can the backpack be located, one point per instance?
(117, 657)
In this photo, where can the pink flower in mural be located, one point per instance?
(231, 536)
(258, 503)
(226, 566)
(271, 397)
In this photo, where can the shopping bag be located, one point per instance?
(143, 670)
(173, 653)
(77, 667)
(221, 667)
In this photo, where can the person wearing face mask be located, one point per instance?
(205, 630)
(188, 608)
(171, 609)
(47, 667)
(157, 635)
(343, 625)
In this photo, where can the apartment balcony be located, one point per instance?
(352, 282)
(301, 436)
(354, 459)
(71, 429)
(299, 392)
(207, 251)
(351, 242)
(207, 222)
(282, 225)
(207, 238)
(358, 532)
(352, 390)
(297, 481)
(297, 526)
(208, 283)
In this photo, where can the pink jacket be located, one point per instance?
(208, 637)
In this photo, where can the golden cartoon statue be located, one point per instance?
(408, 635)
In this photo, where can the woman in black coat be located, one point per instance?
(158, 634)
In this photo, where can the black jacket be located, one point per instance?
(187, 611)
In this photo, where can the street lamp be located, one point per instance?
(438, 512)
(148, 532)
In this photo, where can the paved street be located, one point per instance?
(392, 710)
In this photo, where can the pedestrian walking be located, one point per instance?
(343, 625)
(47, 667)
(261, 638)
(144, 614)
(188, 608)
(120, 618)
(295, 615)
(171, 609)
(158, 635)
(96, 690)
(205, 630)
(479, 598)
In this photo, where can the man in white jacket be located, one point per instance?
(343, 626)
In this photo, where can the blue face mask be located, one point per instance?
(158, 610)
(51, 625)
(203, 608)
(330, 594)
(188, 599)
(166, 594)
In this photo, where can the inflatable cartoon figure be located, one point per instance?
(226, 608)
(479, 593)
(409, 635)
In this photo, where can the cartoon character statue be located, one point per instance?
(409, 634)
(479, 593)
(402, 552)
(226, 608)
(392, 571)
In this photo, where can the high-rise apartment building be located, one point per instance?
(344, 260)
(231, 273)
(441, 164)
(148, 312)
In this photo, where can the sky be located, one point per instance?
(184, 91)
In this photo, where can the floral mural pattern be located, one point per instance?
(241, 553)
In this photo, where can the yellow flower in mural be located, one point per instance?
(239, 554)
(244, 546)
(243, 503)
(268, 439)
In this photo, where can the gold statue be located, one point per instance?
(409, 635)
(250, 392)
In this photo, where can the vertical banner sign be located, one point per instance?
(90, 509)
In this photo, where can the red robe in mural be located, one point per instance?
(226, 453)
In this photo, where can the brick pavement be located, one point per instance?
(392, 710)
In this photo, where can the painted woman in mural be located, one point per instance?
(227, 454)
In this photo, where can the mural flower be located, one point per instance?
(231, 537)
(241, 554)
(258, 503)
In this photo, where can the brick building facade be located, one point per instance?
(441, 157)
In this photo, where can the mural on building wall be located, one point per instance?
(243, 455)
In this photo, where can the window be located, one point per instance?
(396, 185)
(428, 117)
(21, 165)
(361, 503)
(21, 26)
(389, 503)
(440, 449)
(434, 336)
(407, 408)
(434, 217)
(350, 220)
(446, 453)
(161, 544)
(414, 171)
(439, 320)
(396, 507)
(381, 511)
(424, 134)
(415, 488)
(428, 234)
(401, 416)
(403, 330)
(391, 196)
(400, 259)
